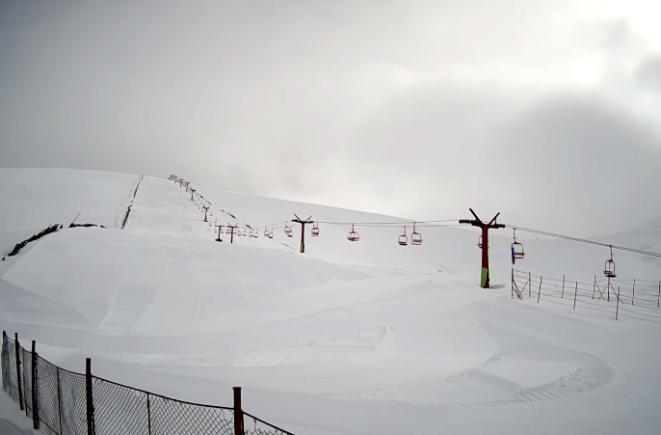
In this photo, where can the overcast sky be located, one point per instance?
(547, 111)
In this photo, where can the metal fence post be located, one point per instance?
(658, 297)
(238, 412)
(594, 285)
(539, 291)
(563, 287)
(529, 284)
(633, 291)
(35, 389)
(617, 305)
(90, 403)
(575, 292)
(17, 349)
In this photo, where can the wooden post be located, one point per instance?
(35, 389)
(575, 292)
(617, 305)
(89, 396)
(148, 415)
(563, 287)
(238, 412)
(539, 291)
(633, 291)
(59, 398)
(17, 350)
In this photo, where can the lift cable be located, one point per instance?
(588, 241)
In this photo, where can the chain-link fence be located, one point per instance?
(62, 402)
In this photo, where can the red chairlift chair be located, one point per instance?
(315, 229)
(403, 240)
(353, 235)
(416, 237)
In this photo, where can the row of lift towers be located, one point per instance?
(517, 249)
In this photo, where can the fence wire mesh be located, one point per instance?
(48, 396)
(119, 409)
(11, 375)
(255, 426)
(73, 403)
(61, 399)
(172, 416)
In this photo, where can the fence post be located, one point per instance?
(563, 287)
(35, 389)
(238, 412)
(148, 414)
(539, 291)
(658, 298)
(512, 286)
(633, 291)
(529, 284)
(59, 398)
(17, 348)
(594, 285)
(617, 305)
(575, 291)
(90, 403)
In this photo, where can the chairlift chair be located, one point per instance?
(416, 237)
(403, 240)
(609, 266)
(517, 248)
(315, 229)
(353, 235)
(270, 236)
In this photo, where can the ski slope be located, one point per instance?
(349, 338)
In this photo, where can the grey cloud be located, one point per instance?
(649, 72)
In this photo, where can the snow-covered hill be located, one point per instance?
(349, 338)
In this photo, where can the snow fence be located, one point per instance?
(63, 402)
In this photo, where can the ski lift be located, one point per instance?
(254, 233)
(517, 248)
(315, 229)
(353, 235)
(609, 266)
(479, 241)
(266, 232)
(403, 240)
(270, 236)
(288, 229)
(228, 230)
(416, 237)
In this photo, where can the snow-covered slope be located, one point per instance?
(349, 338)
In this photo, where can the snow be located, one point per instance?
(349, 338)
